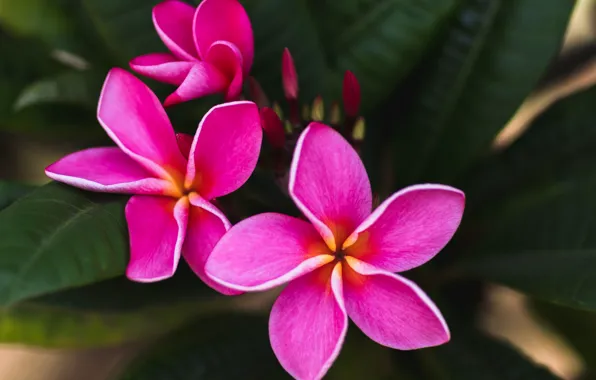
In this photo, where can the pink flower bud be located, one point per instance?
(273, 128)
(351, 94)
(257, 94)
(289, 76)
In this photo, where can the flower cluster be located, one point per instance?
(339, 261)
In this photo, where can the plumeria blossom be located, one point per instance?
(342, 263)
(173, 178)
(211, 49)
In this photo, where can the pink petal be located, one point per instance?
(308, 323)
(224, 20)
(351, 94)
(157, 226)
(184, 143)
(107, 170)
(133, 117)
(202, 79)
(390, 309)
(409, 228)
(225, 149)
(329, 184)
(162, 67)
(173, 22)
(206, 225)
(228, 60)
(265, 251)
(273, 127)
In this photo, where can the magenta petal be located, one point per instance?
(162, 67)
(173, 22)
(228, 60)
(224, 20)
(265, 251)
(308, 323)
(157, 226)
(225, 149)
(133, 117)
(206, 225)
(329, 184)
(409, 228)
(202, 79)
(107, 170)
(390, 309)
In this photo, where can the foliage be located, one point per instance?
(439, 78)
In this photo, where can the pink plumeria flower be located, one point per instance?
(341, 263)
(172, 180)
(211, 47)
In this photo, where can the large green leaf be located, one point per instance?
(56, 238)
(11, 191)
(493, 55)
(557, 147)
(542, 243)
(221, 347)
(379, 40)
(110, 312)
(471, 355)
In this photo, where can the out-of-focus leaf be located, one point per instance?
(542, 243)
(471, 355)
(221, 347)
(57, 238)
(493, 55)
(110, 312)
(379, 40)
(557, 147)
(11, 191)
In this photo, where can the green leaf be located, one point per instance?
(379, 40)
(11, 191)
(56, 238)
(557, 147)
(110, 312)
(494, 54)
(542, 243)
(221, 347)
(473, 355)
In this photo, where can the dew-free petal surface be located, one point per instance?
(157, 227)
(409, 228)
(173, 21)
(265, 251)
(203, 79)
(390, 309)
(107, 170)
(162, 67)
(308, 323)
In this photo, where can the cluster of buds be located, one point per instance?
(282, 132)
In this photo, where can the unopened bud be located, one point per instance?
(359, 130)
(335, 112)
(273, 127)
(289, 76)
(351, 94)
(257, 94)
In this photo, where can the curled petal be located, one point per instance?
(265, 251)
(202, 79)
(225, 149)
(329, 184)
(157, 227)
(224, 20)
(107, 170)
(173, 21)
(409, 228)
(228, 60)
(162, 67)
(288, 75)
(184, 143)
(133, 117)
(391, 310)
(308, 323)
(206, 225)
